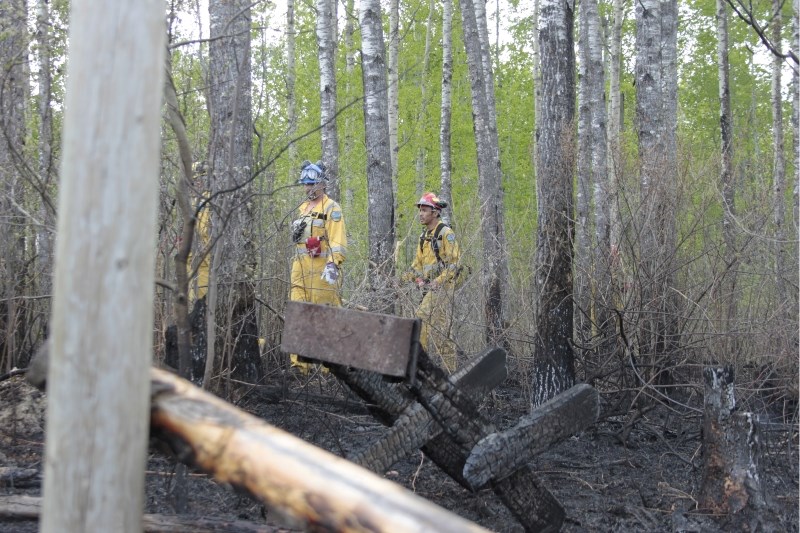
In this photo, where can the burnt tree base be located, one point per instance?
(731, 449)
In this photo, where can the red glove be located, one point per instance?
(313, 246)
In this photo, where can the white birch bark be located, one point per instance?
(615, 124)
(380, 211)
(445, 162)
(656, 112)
(727, 184)
(47, 228)
(554, 362)
(291, 76)
(494, 269)
(326, 41)
(102, 326)
(779, 160)
(394, 87)
(583, 230)
(422, 117)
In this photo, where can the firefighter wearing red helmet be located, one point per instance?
(320, 245)
(435, 270)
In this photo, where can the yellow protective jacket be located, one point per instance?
(444, 268)
(325, 222)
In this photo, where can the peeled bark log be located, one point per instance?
(305, 485)
(499, 454)
(731, 449)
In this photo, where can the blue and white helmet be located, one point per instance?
(312, 173)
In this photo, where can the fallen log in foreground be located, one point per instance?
(30, 507)
(307, 486)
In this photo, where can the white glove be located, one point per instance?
(330, 273)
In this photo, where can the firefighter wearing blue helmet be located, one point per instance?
(320, 245)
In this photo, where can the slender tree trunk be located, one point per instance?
(779, 161)
(422, 117)
(13, 96)
(554, 366)
(379, 173)
(94, 476)
(349, 88)
(231, 158)
(615, 124)
(656, 112)
(46, 230)
(445, 161)
(291, 77)
(494, 270)
(394, 88)
(583, 231)
(326, 39)
(601, 286)
(727, 183)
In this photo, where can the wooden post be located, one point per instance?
(731, 480)
(102, 323)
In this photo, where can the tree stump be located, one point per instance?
(731, 448)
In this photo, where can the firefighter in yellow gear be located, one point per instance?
(320, 245)
(198, 287)
(435, 271)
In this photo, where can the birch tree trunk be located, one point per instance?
(291, 77)
(379, 173)
(601, 286)
(231, 164)
(349, 88)
(656, 113)
(727, 183)
(326, 40)
(583, 231)
(394, 88)
(13, 95)
(422, 117)
(615, 124)
(554, 365)
(97, 421)
(46, 230)
(445, 157)
(779, 160)
(494, 269)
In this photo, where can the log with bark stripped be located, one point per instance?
(500, 454)
(305, 485)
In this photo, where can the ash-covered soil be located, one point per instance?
(615, 476)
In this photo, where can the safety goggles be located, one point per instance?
(311, 174)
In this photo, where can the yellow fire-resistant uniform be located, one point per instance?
(325, 222)
(440, 277)
(198, 287)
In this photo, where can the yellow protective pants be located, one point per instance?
(435, 311)
(307, 286)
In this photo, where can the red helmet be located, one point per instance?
(431, 200)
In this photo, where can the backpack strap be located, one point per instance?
(435, 239)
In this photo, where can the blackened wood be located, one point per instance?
(415, 426)
(731, 479)
(531, 503)
(500, 454)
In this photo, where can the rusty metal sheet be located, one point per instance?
(370, 341)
